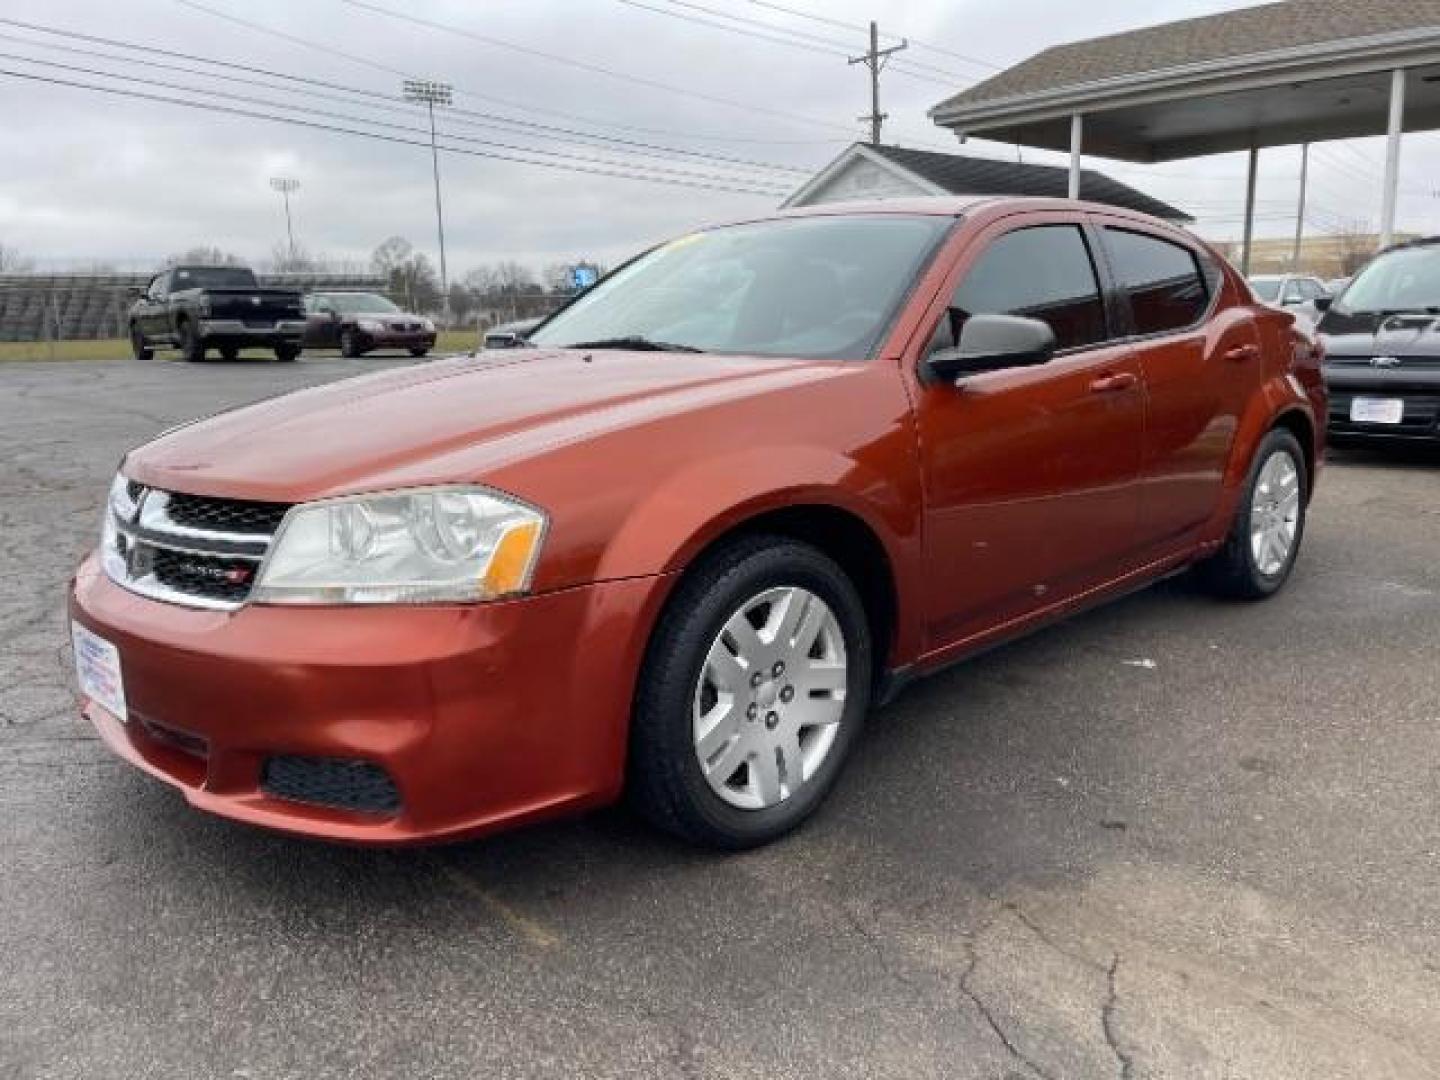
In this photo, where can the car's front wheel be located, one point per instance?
(349, 344)
(192, 345)
(1269, 523)
(754, 689)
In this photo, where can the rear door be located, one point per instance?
(1030, 473)
(1201, 362)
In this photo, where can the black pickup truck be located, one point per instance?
(196, 308)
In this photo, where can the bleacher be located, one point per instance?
(61, 307)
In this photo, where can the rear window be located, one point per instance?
(1163, 281)
(211, 277)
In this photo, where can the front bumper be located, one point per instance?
(1419, 388)
(483, 716)
(396, 339)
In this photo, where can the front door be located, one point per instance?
(1030, 473)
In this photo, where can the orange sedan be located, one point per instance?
(680, 541)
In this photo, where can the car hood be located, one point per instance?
(446, 422)
(1363, 334)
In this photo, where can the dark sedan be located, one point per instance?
(1382, 338)
(360, 322)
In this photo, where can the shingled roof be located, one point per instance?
(1292, 24)
(960, 175)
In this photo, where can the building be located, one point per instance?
(892, 172)
(1275, 74)
(1329, 256)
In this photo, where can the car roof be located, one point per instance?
(951, 206)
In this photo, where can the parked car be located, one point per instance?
(360, 322)
(1382, 347)
(682, 544)
(198, 308)
(1296, 292)
(509, 335)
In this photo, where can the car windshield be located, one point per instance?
(1407, 279)
(212, 277)
(815, 287)
(363, 303)
(1267, 289)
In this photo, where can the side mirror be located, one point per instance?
(993, 343)
(1322, 303)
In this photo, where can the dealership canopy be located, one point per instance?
(1295, 72)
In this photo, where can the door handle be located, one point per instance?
(1109, 384)
(1241, 353)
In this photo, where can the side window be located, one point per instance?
(1163, 280)
(1311, 289)
(1044, 272)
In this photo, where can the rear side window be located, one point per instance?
(1163, 280)
(1044, 272)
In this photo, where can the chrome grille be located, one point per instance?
(187, 549)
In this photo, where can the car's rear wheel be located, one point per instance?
(349, 344)
(286, 353)
(755, 687)
(1264, 539)
(229, 352)
(418, 352)
(192, 345)
(138, 347)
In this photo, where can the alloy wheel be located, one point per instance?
(1274, 513)
(770, 697)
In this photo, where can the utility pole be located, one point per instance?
(427, 93)
(876, 60)
(1300, 210)
(285, 185)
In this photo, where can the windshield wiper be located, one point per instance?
(636, 343)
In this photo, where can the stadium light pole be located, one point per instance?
(427, 93)
(285, 185)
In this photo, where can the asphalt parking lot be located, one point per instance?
(1172, 838)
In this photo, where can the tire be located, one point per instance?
(350, 345)
(192, 345)
(138, 347)
(417, 353)
(287, 353)
(666, 780)
(1247, 567)
(229, 353)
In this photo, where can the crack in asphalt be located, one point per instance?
(1107, 1021)
(989, 1017)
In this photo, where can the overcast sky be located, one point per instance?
(89, 176)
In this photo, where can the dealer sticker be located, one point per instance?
(97, 665)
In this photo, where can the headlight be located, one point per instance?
(370, 326)
(427, 325)
(118, 503)
(424, 545)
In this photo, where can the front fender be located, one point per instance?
(700, 503)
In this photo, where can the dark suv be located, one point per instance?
(1382, 337)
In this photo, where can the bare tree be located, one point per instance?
(205, 256)
(12, 262)
(297, 260)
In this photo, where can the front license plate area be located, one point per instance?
(1371, 410)
(97, 666)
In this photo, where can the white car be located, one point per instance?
(1297, 292)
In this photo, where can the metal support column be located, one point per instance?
(1077, 131)
(1249, 210)
(1300, 209)
(1392, 156)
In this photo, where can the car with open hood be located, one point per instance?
(679, 542)
(1382, 345)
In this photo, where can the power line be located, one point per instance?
(376, 99)
(841, 24)
(377, 136)
(794, 39)
(329, 49)
(247, 99)
(584, 65)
